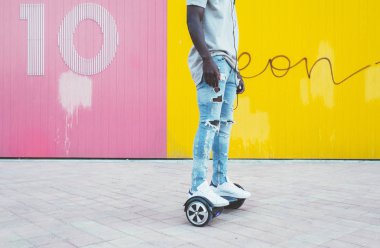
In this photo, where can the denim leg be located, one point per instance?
(210, 104)
(208, 126)
(222, 138)
(201, 151)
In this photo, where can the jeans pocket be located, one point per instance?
(202, 84)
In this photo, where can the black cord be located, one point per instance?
(236, 53)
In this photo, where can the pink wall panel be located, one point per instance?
(121, 111)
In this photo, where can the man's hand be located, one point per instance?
(241, 87)
(211, 74)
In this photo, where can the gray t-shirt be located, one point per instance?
(221, 34)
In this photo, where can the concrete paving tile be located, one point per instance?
(83, 239)
(98, 230)
(206, 243)
(126, 241)
(22, 243)
(29, 231)
(106, 220)
(353, 224)
(49, 224)
(150, 235)
(340, 244)
(167, 242)
(6, 215)
(142, 221)
(156, 226)
(14, 224)
(174, 221)
(367, 234)
(373, 228)
(37, 217)
(44, 240)
(358, 240)
(192, 238)
(297, 244)
(128, 228)
(317, 238)
(240, 241)
(62, 244)
(144, 245)
(187, 245)
(173, 230)
(266, 227)
(105, 244)
(65, 230)
(8, 236)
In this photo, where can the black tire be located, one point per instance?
(235, 205)
(198, 212)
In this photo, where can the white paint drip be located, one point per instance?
(74, 91)
(372, 84)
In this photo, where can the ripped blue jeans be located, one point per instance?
(216, 119)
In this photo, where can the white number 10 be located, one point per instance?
(34, 14)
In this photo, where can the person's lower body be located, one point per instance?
(216, 119)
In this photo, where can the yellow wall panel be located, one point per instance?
(290, 110)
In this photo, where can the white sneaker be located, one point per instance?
(230, 189)
(205, 191)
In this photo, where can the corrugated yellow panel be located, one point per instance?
(317, 94)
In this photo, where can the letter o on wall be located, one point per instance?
(66, 45)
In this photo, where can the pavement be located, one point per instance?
(126, 203)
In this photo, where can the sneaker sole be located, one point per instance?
(219, 206)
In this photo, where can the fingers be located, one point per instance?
(241, 88)
(241, 91)
(212, 79)
(207, 79)
(211, 73)
(216, 78)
